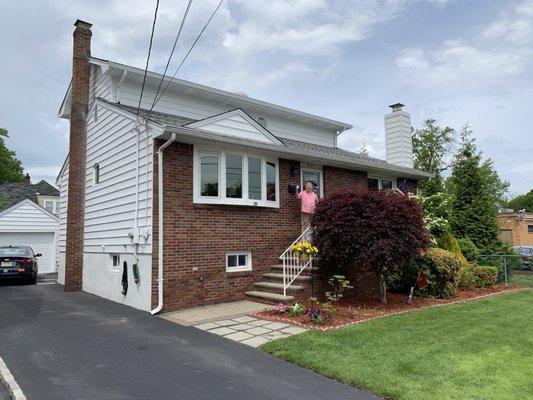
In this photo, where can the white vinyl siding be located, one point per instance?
(99, 84)
(189, 106)
(27, 217)
(110, 205)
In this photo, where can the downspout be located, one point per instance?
(160, 224)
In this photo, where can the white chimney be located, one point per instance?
(398, 142)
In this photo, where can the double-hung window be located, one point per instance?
(227, 177)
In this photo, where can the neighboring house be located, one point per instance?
(516, 228)
(200, 190)
(30, 219)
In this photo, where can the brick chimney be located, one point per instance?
(398, 140)
(77, 149)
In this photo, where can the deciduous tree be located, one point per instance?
(10, 167)
(383, 230)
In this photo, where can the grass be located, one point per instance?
(477, 350)
(521, 278)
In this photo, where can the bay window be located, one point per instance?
(222, 177)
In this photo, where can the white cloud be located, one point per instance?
(501, 51)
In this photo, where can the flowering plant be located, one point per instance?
(304, 248)
(316, 315)
(280, 308)
(296, 309)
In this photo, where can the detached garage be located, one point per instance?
(27, 223)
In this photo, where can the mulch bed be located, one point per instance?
(368, 306)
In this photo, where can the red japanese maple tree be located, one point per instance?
(381, 229)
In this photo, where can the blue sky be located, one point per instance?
(455, 61)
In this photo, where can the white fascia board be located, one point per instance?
(336, 125)
(193, 136)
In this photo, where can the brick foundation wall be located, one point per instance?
(198, 236)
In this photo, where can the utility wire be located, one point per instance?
(148, 57)
(188, 52)
(172, 52)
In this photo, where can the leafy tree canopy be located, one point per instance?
(431, 148)
(522, 202)
(10, 167)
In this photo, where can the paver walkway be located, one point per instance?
(249, 330)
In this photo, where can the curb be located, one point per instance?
(332, 328)
(10, 383)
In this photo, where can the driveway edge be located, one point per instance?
(10, 383)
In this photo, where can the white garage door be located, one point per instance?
(40, 242)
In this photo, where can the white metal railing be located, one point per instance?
(292, 267)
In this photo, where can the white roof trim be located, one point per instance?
(28, 201)
(201, 124)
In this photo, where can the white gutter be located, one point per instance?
(160, 224)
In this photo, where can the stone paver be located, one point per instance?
(256, 341)
(276, 325)
(225, 311)
(250, 331)
(258, 331)
(239, 336)
(222, 331)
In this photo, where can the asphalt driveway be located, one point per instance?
(77, 346)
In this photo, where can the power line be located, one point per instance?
(148, 57)
(188, 52)
(172, 52)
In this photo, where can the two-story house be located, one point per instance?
(197, 189)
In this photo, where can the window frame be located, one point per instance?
(320, 171)
(247, 267)
(221, 198)
(381, 178)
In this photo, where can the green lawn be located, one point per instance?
(521, 278)
(482, 349)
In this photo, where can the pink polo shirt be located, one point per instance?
(308, 201)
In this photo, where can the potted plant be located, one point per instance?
(304, 250)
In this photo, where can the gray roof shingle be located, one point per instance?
(300, 147)
(16, 192)
(154, 116)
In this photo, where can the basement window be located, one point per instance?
(115, 262)
(530, 229)
(241, 261)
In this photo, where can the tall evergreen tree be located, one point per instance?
(471, 185)
(10, 167)
(431, 148)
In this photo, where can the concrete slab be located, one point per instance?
(239, 336)
(222, 331)
(200, 315)
(255, 341)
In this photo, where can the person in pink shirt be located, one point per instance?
(308, 200)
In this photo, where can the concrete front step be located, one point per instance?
(269, 297)
(279, 267)
(279, 277)
(277, 286)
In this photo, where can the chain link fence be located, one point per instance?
(514, 269)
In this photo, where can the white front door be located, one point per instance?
(40, 242)
(315, 176)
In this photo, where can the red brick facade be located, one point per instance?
(198, 236)
(77, 148)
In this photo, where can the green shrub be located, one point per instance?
(450, 243)
(442, 269)
(485, 275)
(468, 249)
(466, 278)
